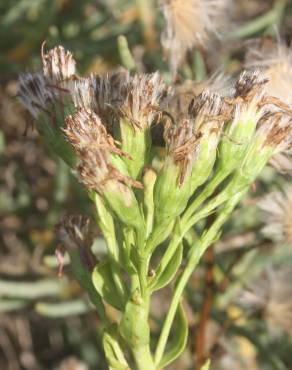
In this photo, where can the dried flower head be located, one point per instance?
(199, 131)
(189, 24)
(75, 234)
(140, 99)
(94, 146)
(271, 295)
(277, 208)
(33, 93)
(275, 60)
(58, 65)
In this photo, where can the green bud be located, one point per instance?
(248, 111)
(136, 143)
(123, 202)
(170, 197)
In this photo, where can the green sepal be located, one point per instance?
(170, 197)
(234, 145)
(203, 165)
(179, 341)
(83, 276)
(113, 351)
(127, 247)
(106, 224)
(134, 326)
(123, 202)
(169, 272)
(136, 142)
(149, 179)
(104, 284)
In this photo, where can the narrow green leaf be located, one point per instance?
(104, 284)
(170, 270)
(113, 351)
(179, 341)
(63, 309)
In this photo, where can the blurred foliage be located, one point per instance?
(36, 189)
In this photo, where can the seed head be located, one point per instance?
(277, 208)
(189, 24)
(58, 65)
(275, 60)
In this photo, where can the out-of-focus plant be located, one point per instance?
(147, 201)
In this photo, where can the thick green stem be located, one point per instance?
(143, 358)
(194, 258)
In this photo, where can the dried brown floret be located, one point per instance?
(33, 93)
(94, 147)
(58, 64)
(75, 234)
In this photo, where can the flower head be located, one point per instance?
(75, 235)
(275, 60)
(58, 65)
(191, 147)
(94, 145)
(277, 208)
(101, 168)
(189, 24)
(248, 108)
(140, 99)
(33, 93)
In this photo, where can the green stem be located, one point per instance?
(199, 66)
(143, 358)
(258, 24)
(125, 54)
(194, 258)
(206, 192)
(187, 221)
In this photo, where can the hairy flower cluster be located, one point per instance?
(189, 24)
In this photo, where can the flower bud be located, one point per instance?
(210, 113)
(101, 168)
(139, 105)
(248, 99)
(274, 134)
(192, 148)
(41, 102)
